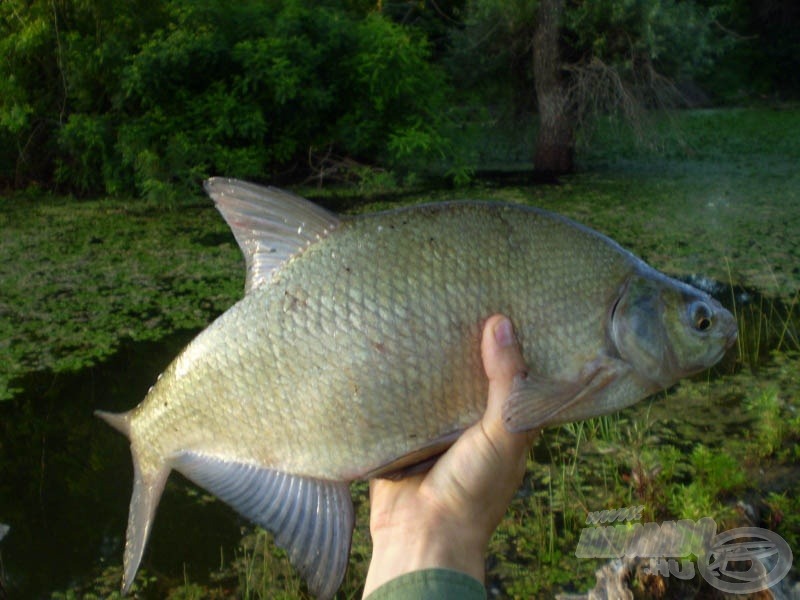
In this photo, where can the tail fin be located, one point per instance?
(119, 421)
(149, 477)
(148, 484)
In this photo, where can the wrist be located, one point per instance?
(401, 550)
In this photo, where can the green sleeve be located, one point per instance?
(430, 584)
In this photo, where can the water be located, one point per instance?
(66, 477)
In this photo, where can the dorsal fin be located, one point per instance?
(270, 225)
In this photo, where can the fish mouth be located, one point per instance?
(728, 338)
(720, 353)
(732, 336)
(725, 341)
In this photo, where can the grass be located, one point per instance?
(638, 457)
(769, 431)
(717, 194)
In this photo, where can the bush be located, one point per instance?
(251, 91)
(160, 94)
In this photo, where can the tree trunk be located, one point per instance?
(555, 143)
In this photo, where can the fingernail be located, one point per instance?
(503, 333)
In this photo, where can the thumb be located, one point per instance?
(503, 362)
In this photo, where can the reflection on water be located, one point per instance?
(66, 477)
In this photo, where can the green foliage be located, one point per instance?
(87, 159)
(61, 61)
(106, 586)
(718, 470)
(159, 94)
(150, 96)
(490, 55)
(28, 58)
(775, 426)
(762, 61)
(264, 570)
(784, 515)
(675, 36)
(608, 57)
(714, 473)
(769, 422)
(634, 38)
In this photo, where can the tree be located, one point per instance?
(555, 143)
(60, 58)
(590, 57)
(30, 59)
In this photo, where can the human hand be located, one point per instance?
(444, 518)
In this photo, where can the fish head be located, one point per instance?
(667, 330)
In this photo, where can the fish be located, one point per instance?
(355, 354)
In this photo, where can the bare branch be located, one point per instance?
(327, 166)
(596, 89)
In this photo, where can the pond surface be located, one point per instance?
(66, 476)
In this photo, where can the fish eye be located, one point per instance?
(701, 316)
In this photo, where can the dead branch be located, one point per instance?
(325, 165)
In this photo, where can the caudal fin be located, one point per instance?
(149, 477)
(119, 421)
(148, 485)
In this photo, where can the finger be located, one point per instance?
(502, 361)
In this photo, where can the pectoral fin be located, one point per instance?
(537, 402)
(312, 519)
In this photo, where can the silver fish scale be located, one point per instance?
(366, 345)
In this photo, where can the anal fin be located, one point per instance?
(312, 519)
